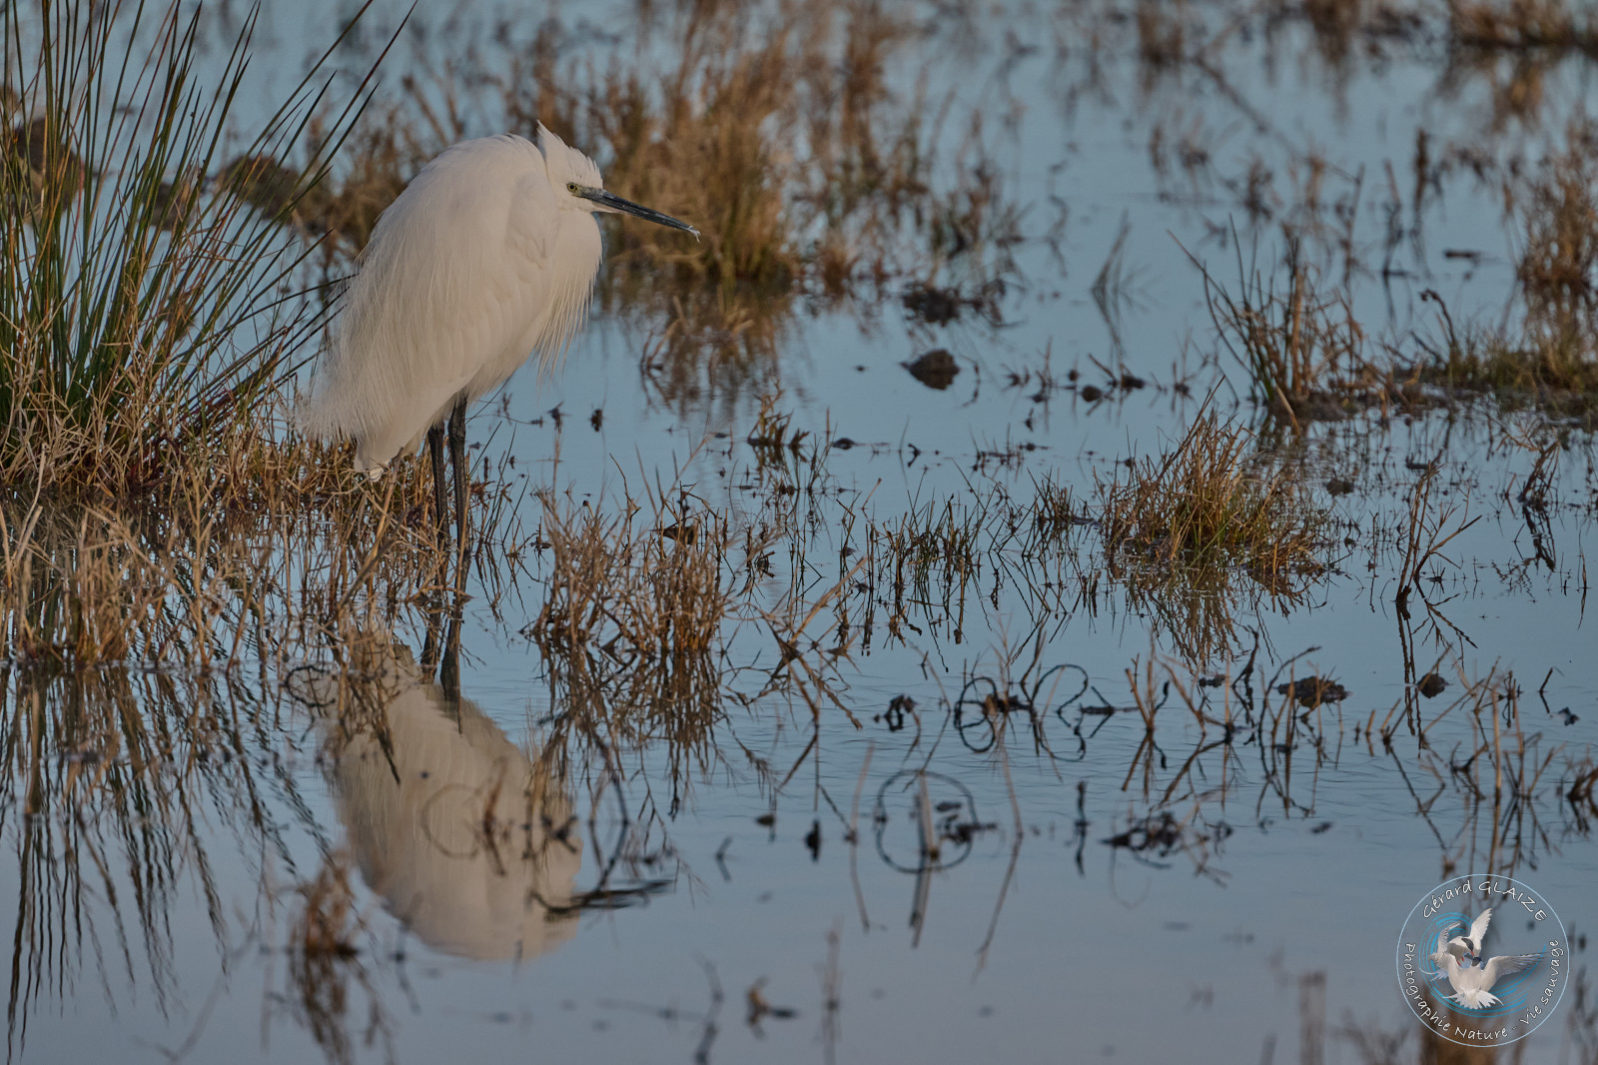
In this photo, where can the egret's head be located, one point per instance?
(578, 184)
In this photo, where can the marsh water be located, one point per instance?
(940, 786)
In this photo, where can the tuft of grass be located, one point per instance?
(1553, 368)
(1207, 505)
(632, 591)
(934, 544)
(1549, 358)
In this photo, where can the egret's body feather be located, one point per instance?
(483, 260)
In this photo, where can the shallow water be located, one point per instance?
(768, 880)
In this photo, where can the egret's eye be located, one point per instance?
(571, 187)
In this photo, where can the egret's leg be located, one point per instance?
(435, 451)
(430, 646)
(457, 455)
(449, 667)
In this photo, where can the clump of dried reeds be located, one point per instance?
(1208, 504)
(1549, 357)
(1558, 267)
(934, 543)
(1303, 350)
(643, 590)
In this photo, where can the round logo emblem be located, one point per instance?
(1483, 960)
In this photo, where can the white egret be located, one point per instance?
(488, 256)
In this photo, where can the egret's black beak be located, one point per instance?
(609, 201)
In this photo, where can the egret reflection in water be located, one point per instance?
(469, 841)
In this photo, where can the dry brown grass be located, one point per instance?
(277, 546)
(1210, 504)
(1304, 350)
(1548, 358)
(633, 591)
(1551, 367)
(934, 550)
(636, 614)
(1558, 268)
(1517, 25)
(1206, 539)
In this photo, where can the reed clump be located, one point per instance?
(647, 591)
(1551, 367)
(1558, 268)
(1303, 350)
(934, 546)
(147, 318)
(1208, 504)
(263, 557)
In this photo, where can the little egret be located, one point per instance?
(488, 256)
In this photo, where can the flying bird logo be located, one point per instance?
(1459, 961)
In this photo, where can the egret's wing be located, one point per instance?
(1478, 928)
(560, 249)
(547, 254)
(1507, 965)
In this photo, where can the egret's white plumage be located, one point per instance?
(1472, 983)
(488, 256)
